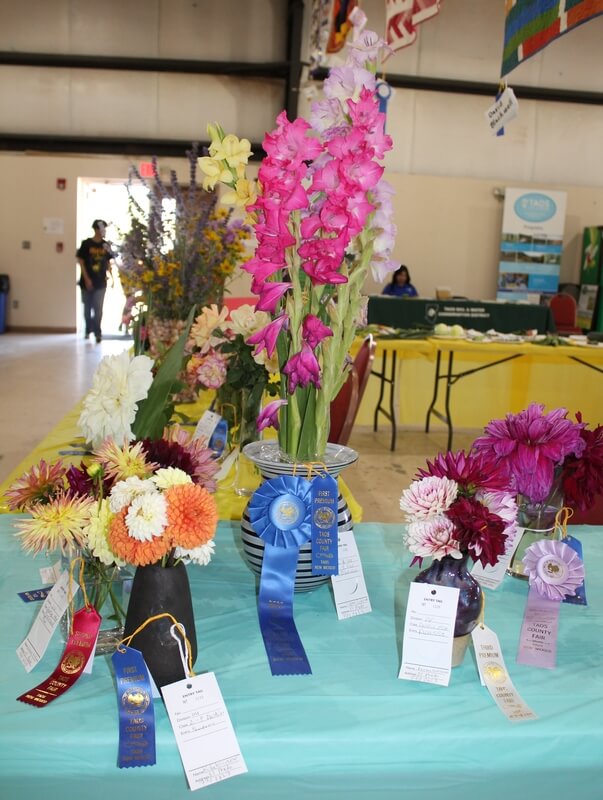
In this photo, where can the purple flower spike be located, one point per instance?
(268, 416)
(302, 369)
(314, 331)
(266, 338)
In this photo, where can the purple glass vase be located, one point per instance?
(449, 571)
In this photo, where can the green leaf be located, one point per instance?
(155, 411)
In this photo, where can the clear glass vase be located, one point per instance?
(538, 521)
(108, 589)
(241, 409)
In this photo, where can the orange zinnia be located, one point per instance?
(132, 550)
(192, 515)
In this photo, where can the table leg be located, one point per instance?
(449, 383)
(436, 386)
(381, 376)
(390, 413)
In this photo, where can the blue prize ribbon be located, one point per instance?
(136, 712)
(33, 595)
(579, 598)
(280, 514)
(324, 526)
(217, 441)
(384, 92)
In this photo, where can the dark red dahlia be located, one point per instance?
(471, 471)
(478, 531)
(80, 483)
(169, 454)
(583, 476)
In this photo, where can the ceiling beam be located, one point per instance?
(239, 69)
(95, 145)
(484, 89)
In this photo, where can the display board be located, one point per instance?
(531, 244)
(591, 275)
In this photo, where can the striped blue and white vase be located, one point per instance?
(266, 456)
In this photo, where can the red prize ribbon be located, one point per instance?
(86, 623)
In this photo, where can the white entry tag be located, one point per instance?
(502, 111)
(50, 575)
(428, 633)
(207, 425)
(349, 587)
(204, 734)
(33, 647)
(492, 577)
(493, 674)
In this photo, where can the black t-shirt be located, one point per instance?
(96, 256)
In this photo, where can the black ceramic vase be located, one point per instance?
(157, 590)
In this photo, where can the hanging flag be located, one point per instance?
(402, 18)
(340, 24)
(320, 21)
(532, 24)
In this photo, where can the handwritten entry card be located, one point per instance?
(349, 587)
(428, 633)
(33, 647)
(204, 734)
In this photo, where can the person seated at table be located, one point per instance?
(400, 285)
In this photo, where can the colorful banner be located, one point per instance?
(531, 244)
(341, 24)
(531, 24)
(402, 18)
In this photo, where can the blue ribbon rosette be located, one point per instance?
(280, 512)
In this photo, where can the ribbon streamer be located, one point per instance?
(280, 512)
(84, 630)
(136, 710)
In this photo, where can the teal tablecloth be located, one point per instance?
(350, 730)
(404, 312)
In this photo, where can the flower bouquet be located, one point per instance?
(548, 461)
(73, 511)
(68, 504)
(322, 218)
(457, 509)
(222, 360)
(182, 251)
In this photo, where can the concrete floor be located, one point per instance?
(43, 376)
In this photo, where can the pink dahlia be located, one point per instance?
(211, 372)
(41, 484)
(529, 445)
(432, 538)
(503, 505)
(428, 497)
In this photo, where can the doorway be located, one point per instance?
(107, 198)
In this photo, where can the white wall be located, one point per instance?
(444, 165)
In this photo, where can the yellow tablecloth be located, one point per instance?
(64, 442)
(543, 374)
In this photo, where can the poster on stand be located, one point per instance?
(591, 275)
(531, 244)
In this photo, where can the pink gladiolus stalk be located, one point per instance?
(322, 220)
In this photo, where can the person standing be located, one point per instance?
(94, 257)
(400, 285)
